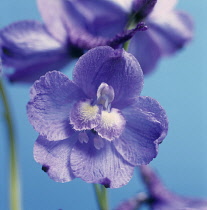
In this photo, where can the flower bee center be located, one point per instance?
(88, 112)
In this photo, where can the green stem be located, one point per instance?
(101, 195)
(14, 178)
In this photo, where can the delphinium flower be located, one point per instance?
(160, 198)
(73, 26)
(96, 127)
(33, 48)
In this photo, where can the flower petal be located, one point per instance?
(104, 166)
(124, 4)
(163, 198)
(117, 68)
(143, 8)
(111, 124)
(174, 30)
(31, 50)
(143, 42)
(144, 130)
(54, 158)
(51, 100)
(165, 35)
(87, 40)
(90, 16)
(84, 116)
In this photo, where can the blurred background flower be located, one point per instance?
(72, 26)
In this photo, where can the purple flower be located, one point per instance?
(168, 31)
(96, 127)
(162, 198)
(33, 48)
(73, 26)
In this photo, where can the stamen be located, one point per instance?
(83, 137)
(98, 142)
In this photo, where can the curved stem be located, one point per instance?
(14, 178)
(101, 196)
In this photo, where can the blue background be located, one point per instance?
(179, 84)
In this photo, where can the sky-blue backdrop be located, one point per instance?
(179, 84)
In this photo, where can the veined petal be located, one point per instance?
(51, 100)
(146, 127)
(117, 68)
(85, 116)
(29, 48)
(104, 166)
(54, 158)
(90, 16)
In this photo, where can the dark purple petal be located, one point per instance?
(164, 199)
(90, 16)
(51, 100)
(84, 116)
(54, 158)
(146, 127)
(146, 42)
(29, 48)
(117, 68)
(104, 166)
(173, 30)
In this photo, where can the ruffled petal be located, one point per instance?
(85, 116)
(104, 166)
(111, 124)
(90, 16)
(51, 100)
(54, 158)
(29, 48)
(146, 127)
(117, 68)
